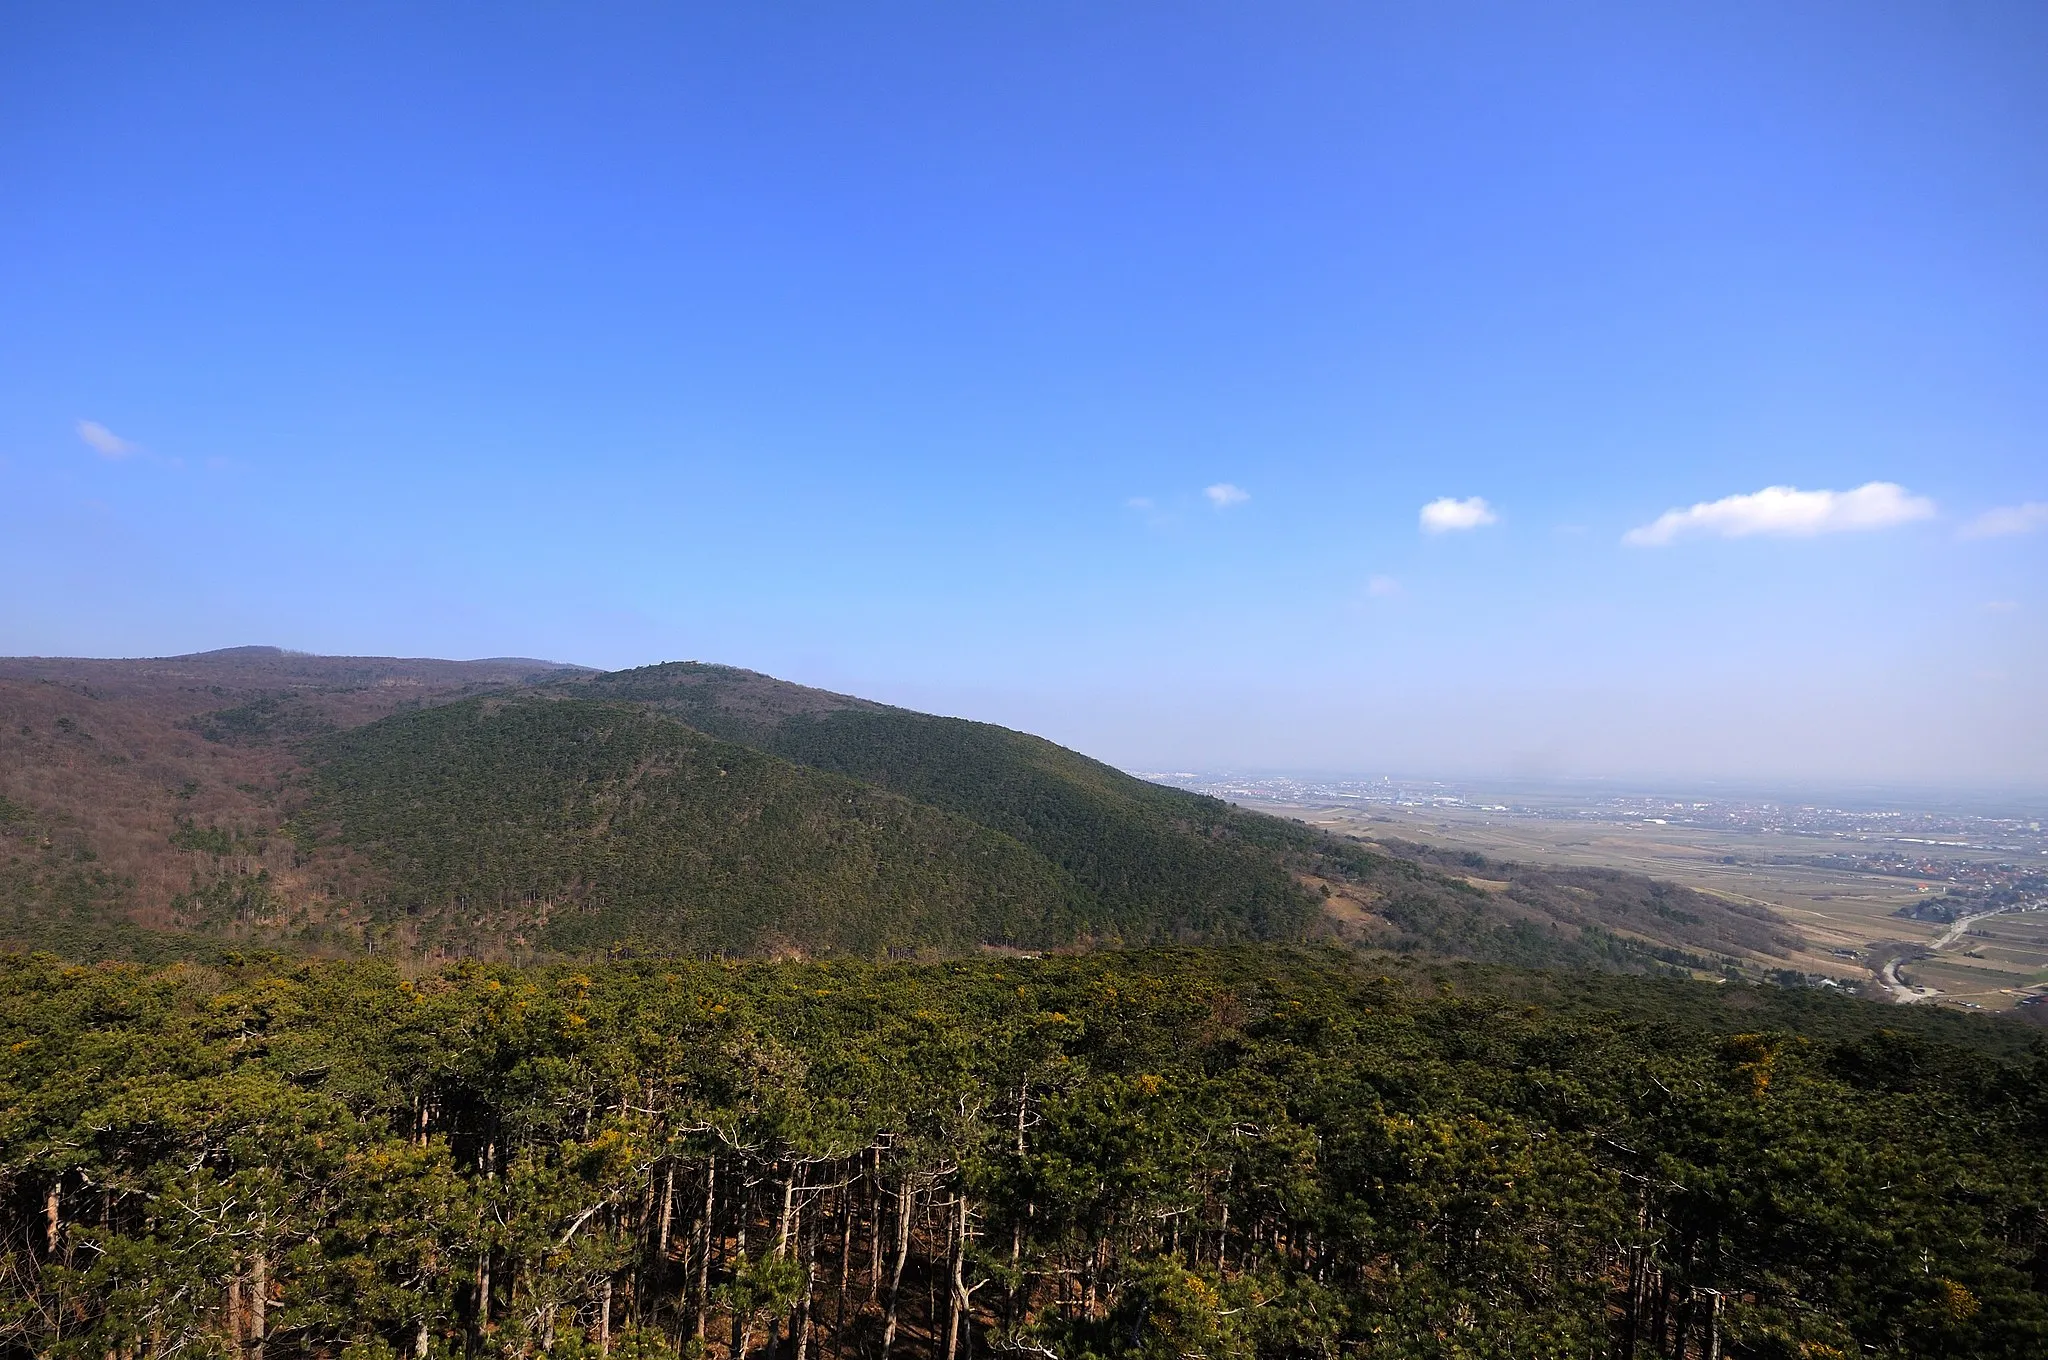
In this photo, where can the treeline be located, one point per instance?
(1199, 1153)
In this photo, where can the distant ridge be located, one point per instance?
(256, 652)
(509, 806)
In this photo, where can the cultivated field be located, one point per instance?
(1847, 917)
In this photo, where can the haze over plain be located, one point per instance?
(1459, 390)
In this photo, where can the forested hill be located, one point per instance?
(580, 823)
(517, 808)
(1153, 861)
(1148, 853)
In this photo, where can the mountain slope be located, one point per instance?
(341, 804)
(139, 799)
(1161, 863)
(578, 824)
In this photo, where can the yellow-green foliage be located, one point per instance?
(1219, 1153)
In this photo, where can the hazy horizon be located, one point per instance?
(1545, 770)
(1645, 395)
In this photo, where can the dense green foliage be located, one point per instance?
(1156, 863)
(1160, 861)
(1207, 1154)
(587, 823)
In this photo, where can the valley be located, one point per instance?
(1945, 906)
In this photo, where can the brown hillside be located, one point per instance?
(122, 778)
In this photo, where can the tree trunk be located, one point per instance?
(848, 1208)
(845, 1239)
(1018, 1290)
(604, 1318)
(903, 1199)
(957, 1300)
(668, 1210)
(259, 1304)
(800, 1329)
(875, 1224)
(788, 1215)
(704, 1260)
(1635, 1288)
(483, 1292)
(742, 1327)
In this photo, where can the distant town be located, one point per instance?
(1937, 830)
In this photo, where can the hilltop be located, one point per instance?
(519, 808)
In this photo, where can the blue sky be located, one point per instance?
(897, 348)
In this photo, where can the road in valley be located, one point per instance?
(1901, 991)
(1905, 993)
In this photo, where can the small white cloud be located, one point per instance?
(1787, 512)
(104, 441)
(1446, 513)
(2008, 519)
(1999, 606)
(1382, 587)
(1223, 495)
(1139, 503)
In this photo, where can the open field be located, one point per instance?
(1847, 916)
(1993, 963)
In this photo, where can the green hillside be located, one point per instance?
(1149, 854)
(187, 806)
(1159, 863)
(575, 824)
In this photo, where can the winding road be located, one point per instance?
(1962, 923)
(1906, 994)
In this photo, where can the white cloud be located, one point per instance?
(104, 441)
(1447, 513)
(1139, 503)
(1787, 512)
(2008, 519)
(1223, 495)
(1383, 587)
(1999, 606)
